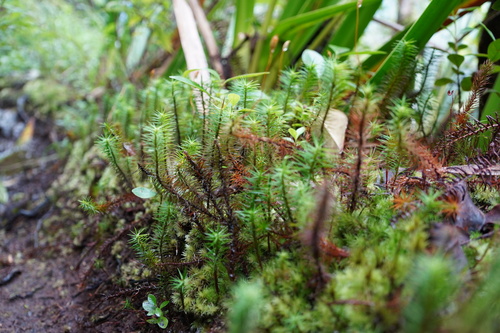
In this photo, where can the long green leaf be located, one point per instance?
(310, 18)
(138, 46)
(293, 8)
(492, 106)
(345, 34)
(244, 18)
(190, 83)
(256, 56)
(421, 31)
(245, 76)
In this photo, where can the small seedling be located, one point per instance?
(155, 311)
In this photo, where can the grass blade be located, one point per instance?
(345, 35)
(244, 18)
(300, 21)
(421, 31)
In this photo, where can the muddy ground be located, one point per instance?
(48, 280)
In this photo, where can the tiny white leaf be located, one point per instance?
(144, 192)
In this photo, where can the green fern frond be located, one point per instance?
(401, 75)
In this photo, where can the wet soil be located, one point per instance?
(47, 283)
(62, 270)
(37, 279)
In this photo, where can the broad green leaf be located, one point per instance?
(345, 35)
(494, 50)
(292, 8)
(466, 83)
(162, 322)
(264, 28)
(491, 108)
(313, 58)
(243, 18)
(310, 18)
(144, 193)
(149, 305)
(138, 46)
(296, 133)
(443, 81)
(233, 99)
(496, 5)
(454, 46)
(456, 59)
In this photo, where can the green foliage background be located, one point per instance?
(250, 219)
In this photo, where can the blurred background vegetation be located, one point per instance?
(83, 50)
(101, 69)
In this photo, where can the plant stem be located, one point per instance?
(176, 117)
(285, 199)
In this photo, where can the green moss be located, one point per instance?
(238, 200)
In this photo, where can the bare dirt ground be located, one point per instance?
(38, 283)
(49, 249)
(46, 284)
